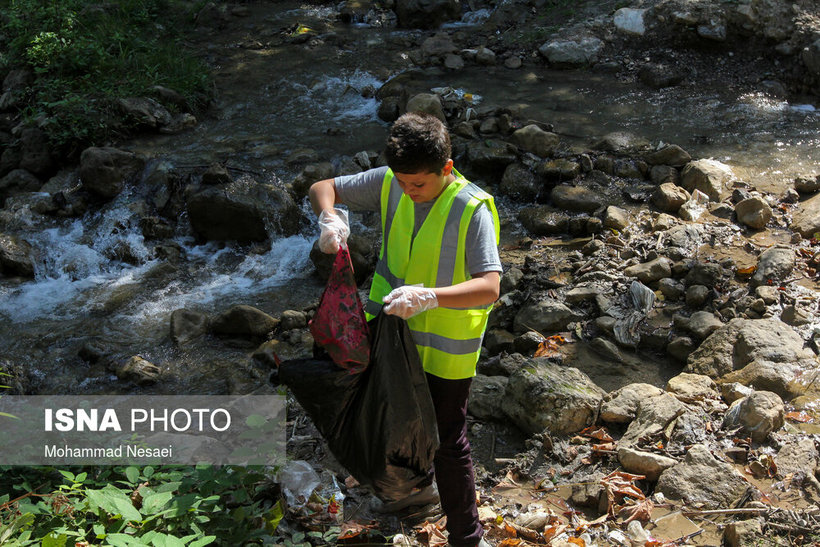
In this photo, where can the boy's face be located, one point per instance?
(422, 187)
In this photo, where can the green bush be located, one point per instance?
(85, 55)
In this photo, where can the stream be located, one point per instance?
(276, 101)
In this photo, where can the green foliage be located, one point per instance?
(86, 54)
(164, 506)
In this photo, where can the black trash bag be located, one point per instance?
(379, 423)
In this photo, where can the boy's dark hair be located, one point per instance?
(418, 143)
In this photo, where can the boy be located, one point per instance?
(439, 269)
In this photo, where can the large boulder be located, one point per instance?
(486, 396)
(542, 395)
(426, 13)
(520, 183)
(187, 325)
(774, 266)
(544, 220)
(36, 152)
(532, 138)
(105, 171)
(243, 211)
(576, 198)
(429, 103)
(702, 480)
(669, 197)
(621, 405)
(759, 414)
(709, 176)
(653, 416)
(490, 157)
(572, 53)
(145, 112)
(244, 321)
(754, 212)
(15, 257)
(18, 181)
(806, 221)
(544, 316)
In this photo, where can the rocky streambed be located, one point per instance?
(659, 309)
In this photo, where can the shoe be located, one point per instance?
(426, 496)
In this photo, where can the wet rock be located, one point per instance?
(806, 220)
(486, 395)
(535, 140)
(575, 198)
(514, 62)
(754, 212)
(105, 171)
(453, 61)
(511, 279)
(733, 391)
(216, 174)
(621, 405)
(16, 257)
(582, 293)
(571, 53)
(438, 45)
(362, 256)
(702, 480)
(138, 370)
(313, 172)
(630, 21)
(243, 211)
(36, 152)
(292, 319)
(545, 316)
(559, 170)
(811, 57)
(697, 295)
(424, 14)
(179, 123)
(681, 348)
(692, 388)
(669, 197)
(650, 271)
(391, 108)
(807, 185)
(660, 75)
(527, 343)
(670, 155)
(798, 457)
(616, 218)
(498, 340)
(543, 220)
(429, 103)
(671, 289)
(744, 532)
(774, 266)
(491, 156)
(649, 464)
(709, 274)
(759, 414)
(683, 238)
(244, 321)
(18, 181)
(707, 175)
(485, 56)
(652, 418)
(145, 112)
(187, 325)
(662, 174)
(795, 316)
(542, 395)
(519, 183)
(702, 324)
(622, 143)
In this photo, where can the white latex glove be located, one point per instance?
(409, 300)
(335, 230)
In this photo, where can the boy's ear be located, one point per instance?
(448, 168)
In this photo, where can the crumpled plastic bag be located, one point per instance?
(626, 327)
(339, 325)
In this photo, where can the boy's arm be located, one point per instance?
(407, 301)
(323, 196)
(333, 223)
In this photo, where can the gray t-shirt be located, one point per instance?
(362, 192)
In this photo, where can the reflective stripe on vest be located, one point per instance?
(448, 339)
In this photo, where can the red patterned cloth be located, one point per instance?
(339, 325)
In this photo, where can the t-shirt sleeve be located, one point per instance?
(362, 191)
(482, 251)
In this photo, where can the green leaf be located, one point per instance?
(132, 474)
(67, 474)
(53, 540)
(115, 502)
(164, 540)
(207, 540)
(147, 472)
(81, 477)
(155, 502)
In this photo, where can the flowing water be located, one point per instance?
(97, 282)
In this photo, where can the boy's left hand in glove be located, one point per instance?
(409, 300)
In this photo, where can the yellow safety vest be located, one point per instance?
(448, 339)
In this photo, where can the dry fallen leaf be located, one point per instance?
(433, 533)
(549, 346)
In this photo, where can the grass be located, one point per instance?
(86, 55)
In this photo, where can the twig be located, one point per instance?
(739, 511)
(687, 537)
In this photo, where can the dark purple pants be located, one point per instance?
(453, 465)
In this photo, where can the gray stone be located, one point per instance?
(187, 325)
(650, 271)
(669, 197)
(311, 173)
(769, 294)
(697, 295)
(527, 343)
(245, 321)
(709, 176)
(774, 265)
(660, 75)
(807, 185)
(663, 174)
(429, 103)
(543, 220)
(511, 279)
(491, 156)
(519, 182)
(242, 212)
(681, 348)
(145, 111)
(759, 414)
(754, 212)
(438, 45)
(709, 274)
(649, 464)
(733, 391)
(535, 140)
(806, 220)
(16, 257)
(582, 293)
(795, 316)
(714, 30)
(621, 142)
(559, 170)
(572, 53)
(36, 152)
(18, 181)
(292, 319)
(453, 61)
(798, 458)
(653, 416)
(692, 388)
(616, 218)
(671, 289)
(485, 56)
(216, 174)
(702, 480)
(498, 340)
(630, 21)
(545, 316)
(542, 395)
(105, 171)
(575, 198)
(621, 405)
(742, 533)
(486, 396)
(811, 57)
(703, 323)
